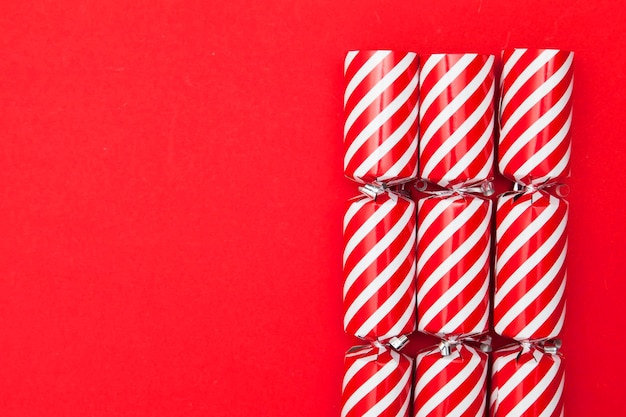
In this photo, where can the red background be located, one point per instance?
(172, 192)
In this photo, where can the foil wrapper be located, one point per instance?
(453, 273)
(531, 273)
(451, 380)
(381, 112)
(536, 115)
(527, 380)
(456, 118)
(379, 266)
(377, 382)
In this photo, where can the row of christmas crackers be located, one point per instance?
(450, 99)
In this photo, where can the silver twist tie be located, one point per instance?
(485, 188)
(398, 342)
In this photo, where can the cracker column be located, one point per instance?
(531, 231)
(454, 233)
(380, 151)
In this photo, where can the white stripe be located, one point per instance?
(369, 385)
(453, 106)
(444, 82)
(446, 233)
(540, 155)
(458, 135)
(525, 235)
(531, 262)
(352, 210)
(447, 264)
(531, 295)
(449, 388)
(379, 88)
(408, 314)
(452, 292)
(559, 324)
(483, 323)
(379, 408)
(481, 410)
(561, 166)
(356, 366)
(533, 130)
(469, 399)
(428, 66)
(486, 170)
(468, 309)
(424, 379)
(418, 360)
(541, 318)
(470, 156)
(386, 307)
(367, 227)
(510, 218)
(493, 405)
(380, 119)
(363, 72)
(441, 206)
(516, 379)
(407, 157)
(535, 97)
(388, 144)
(349, 57)
(448, 230)
(381, 279)
(381, 246)
(541, 387)
(538, 63)
(405, 407)
(511, 61)
(551, 407)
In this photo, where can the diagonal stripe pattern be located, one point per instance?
(529, 383)
(453, 247)
(453, 385)
(531, 247)
(536, 115)
(379, 267)
(376, 382)
(381, 111)
(456, 118)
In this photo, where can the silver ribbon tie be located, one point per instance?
(483, 187)
(561, 189)
(446, 346)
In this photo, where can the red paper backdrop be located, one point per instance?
(172, 192)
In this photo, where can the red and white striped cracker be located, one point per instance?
(456, 118)
(526, 384)
(453, 385)
(453, 247)
(379, 267)
(531, 249)
(536, 115)
(376, 382)
(381, 110)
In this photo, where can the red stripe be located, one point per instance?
(451, 370)
(387, 384)
(442, 67)
(546, 135)
(440, 172)
(377, 265)
(533, 83)
(372, 143)
(534, 113)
